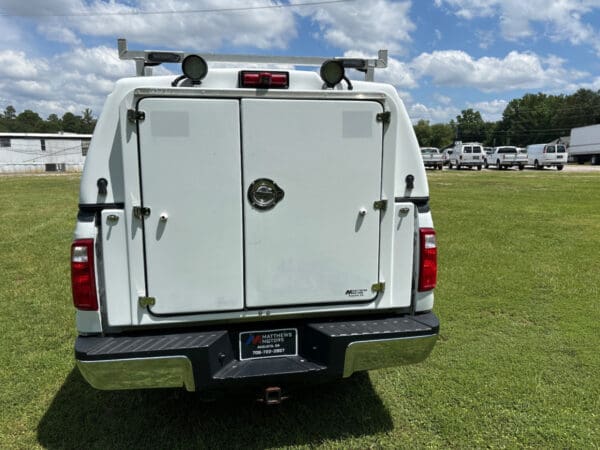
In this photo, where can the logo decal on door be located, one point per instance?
(356, 292)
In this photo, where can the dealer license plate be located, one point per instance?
(268, 344)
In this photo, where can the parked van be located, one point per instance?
(251, 226)
(547, 155)
(469, 154)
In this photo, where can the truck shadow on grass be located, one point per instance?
(82, 417)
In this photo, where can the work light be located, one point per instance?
(332, 72)
(194, 67)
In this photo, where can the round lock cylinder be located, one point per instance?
(264, 194)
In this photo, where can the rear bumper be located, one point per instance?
(201, 360)
(513, 163)
(469, 163)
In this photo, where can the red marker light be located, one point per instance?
(264, 79)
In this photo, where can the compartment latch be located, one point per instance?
(141, 212)
(378, 287)
(146, 301)
(380, 205)
(134, 116)
(384, 117)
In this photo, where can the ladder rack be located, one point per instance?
(146, 59)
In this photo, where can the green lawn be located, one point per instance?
(517, 364)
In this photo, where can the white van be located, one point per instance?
(547, 155)
(251, 226)
(468, 154)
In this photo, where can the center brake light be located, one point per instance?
(428, 259)
(264, 79)
(83, 276)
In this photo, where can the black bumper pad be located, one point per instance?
(215, 358)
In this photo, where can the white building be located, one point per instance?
(42, 152)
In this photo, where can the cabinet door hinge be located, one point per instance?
(146, 301)
(378, 287)
(384, 117)
(134, 116)
(141, 212)
(381, 205)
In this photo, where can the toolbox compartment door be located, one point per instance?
(189, 156)
(319, 244)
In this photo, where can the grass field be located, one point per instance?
(517, 363)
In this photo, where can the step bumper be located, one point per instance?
(199, 360)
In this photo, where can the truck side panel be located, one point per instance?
(114, 268)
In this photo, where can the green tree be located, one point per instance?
(52, 124)
(470, 126)
(28, 121)
(71, 123)
(7, 119)
(9, 113)
(87, 122)
(442, 135)
(423, 132)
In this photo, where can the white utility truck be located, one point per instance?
(547, 155)
(251, 226)
(585, 144)
(432, 157)
(505, 157)
(467, 154)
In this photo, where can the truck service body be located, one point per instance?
(432, 157)
(584, 144)
(505, 157)
(230, 234)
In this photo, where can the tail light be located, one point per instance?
(83, 278)
(428, 267)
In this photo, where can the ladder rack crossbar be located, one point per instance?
(145, 59)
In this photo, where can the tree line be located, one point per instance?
(531, 119)
(29, 121)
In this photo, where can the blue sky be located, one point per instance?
(446, 55)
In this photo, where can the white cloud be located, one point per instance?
(11, 35)
(443, 99)
(563, 20)
(207, 31)
(14, 65)
(486, 38)
(366, 27)
(58, 33)
(491, 111)
(433, 114)
(396, 73)
(514, 71)
(71, 81)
